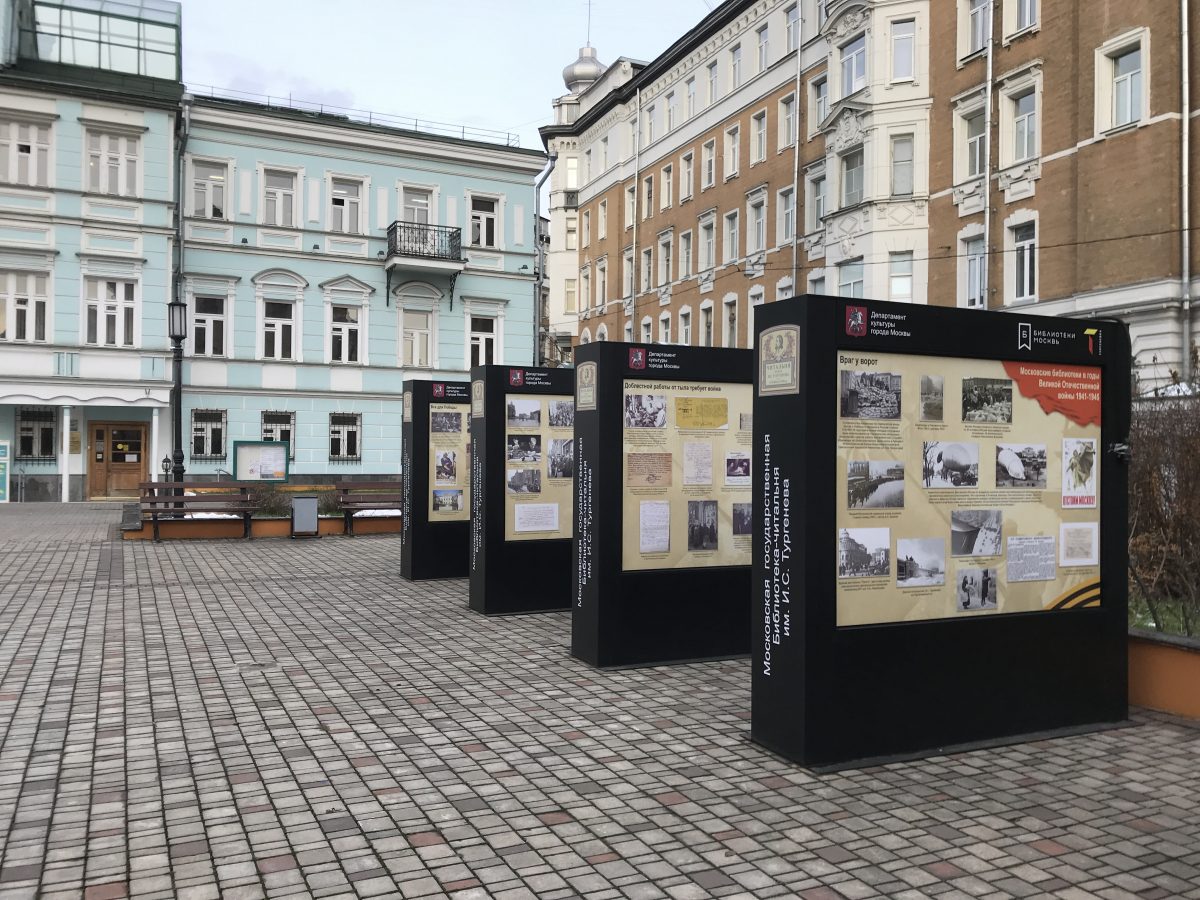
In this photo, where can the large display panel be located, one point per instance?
(967, 487)
(686, 474)
(662, 547)
(435, 527)
(523, 452)
(939, 535)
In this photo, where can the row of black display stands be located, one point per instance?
(895, 510)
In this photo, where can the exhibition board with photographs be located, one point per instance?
(965, 487)
(686, 474)
(449, 463)
(539, 473)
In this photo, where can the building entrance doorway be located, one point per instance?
(117, 460)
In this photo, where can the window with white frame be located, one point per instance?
(602, 332)
(732, 235)
(208, 433)
(850, 278)
(569, 288)
(854, 65)
(345, 206)
(708, 164)
(978, 26)
(1024, 239)
(733, 140)
(685, 254)
(601, 283)
(671, 111)
(975, 143)
(665, 252)
(36, 432)
(278, 425)
(664, 328)
(627, 273)
(278, 330)
(785, 229)
(1026, 14)
(629, 332)
(647, 330)
(111, 312)
(416, 204)
(1121, 97)
(708, 244)
(345, 437)
(706, 326)
(756, 233)
(24, 307)
(571, 239)
(602, 220)
(604, 153)
(647, 196)
(344, 333)
(279, 198)
(973, 255)
(713, 88)
(418, 337)
(646, 280)
(852, 177)
(787, 120)
(208, 326)
(755, 298)
(686, 175)
(666, 186)
(735, 67)
(791, 18)
(485, 222)
(764, 48)
(816, 285)
(112, 161)
(24, 153)
(630, 205)
(816, 202)
(820, 101)
(1024, 126)
(900, 277)
(758, 137)
(902, 165)
(209, 180)
(587, 228)
(571, 173)
(649, 118)
(685, 327)
(904, 51)
(689, 93)
(730, 322)
(585, 287)
(483, 340)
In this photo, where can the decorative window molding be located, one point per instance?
(1123, 82)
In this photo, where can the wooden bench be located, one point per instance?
(159, 500)
(353, 496)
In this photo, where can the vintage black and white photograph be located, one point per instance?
(562, 414)
(524, 412)
(645, 411)
(445, 468)
(987, 400)
(864, 552)
(950, 464)
(874, 484)
(870, 395)
(931, 397)
(741, 518)
(560, 458)
(445, 422)
(524, 448)
(976, 532)
(448, 501)
(702, 525)
(524, 481)
(976, 589)
(737, 468)
(920, 562)
(1021, 466)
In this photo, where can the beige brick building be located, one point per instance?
(693, 202)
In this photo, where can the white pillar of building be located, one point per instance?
(64, 459)
(153, 466)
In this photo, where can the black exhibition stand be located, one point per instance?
(428, 549)
(510, 576)
(643, 617)
(834, 695)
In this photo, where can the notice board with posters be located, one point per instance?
(434, 529)
(939, 527)
(523, 452)
(662, 499)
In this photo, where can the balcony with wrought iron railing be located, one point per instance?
(416, 245)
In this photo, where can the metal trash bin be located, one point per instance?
(304, 516)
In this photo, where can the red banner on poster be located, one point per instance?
(1073, 391)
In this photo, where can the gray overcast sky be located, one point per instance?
(493, 65)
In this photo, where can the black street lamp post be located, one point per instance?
(177, 331)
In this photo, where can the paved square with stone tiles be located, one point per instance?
(276, 718)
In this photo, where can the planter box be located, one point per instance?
(1164, 673)
(210, 529)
